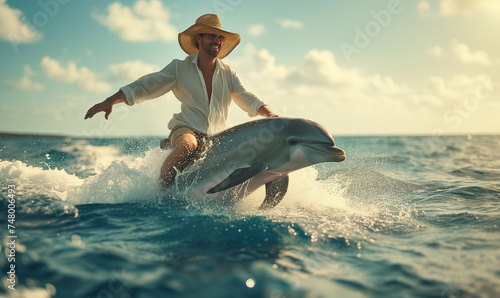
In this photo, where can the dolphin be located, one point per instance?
(239, 160)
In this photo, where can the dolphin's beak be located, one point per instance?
(339, 153)
(336, 154)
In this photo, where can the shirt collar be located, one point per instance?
(218, 64)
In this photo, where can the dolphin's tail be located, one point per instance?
(275, 192)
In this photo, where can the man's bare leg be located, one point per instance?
(185, 145)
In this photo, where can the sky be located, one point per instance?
(374, 67)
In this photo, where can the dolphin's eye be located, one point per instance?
(292, 141)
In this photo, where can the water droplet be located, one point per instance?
(77, 241)
(250, 283)
(51, 290)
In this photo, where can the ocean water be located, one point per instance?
(401, 217)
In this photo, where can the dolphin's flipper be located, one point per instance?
(275, 192)
(239, 176)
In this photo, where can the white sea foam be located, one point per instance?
(89, 158)
(124, 180)
(53, 183)
(304, 191)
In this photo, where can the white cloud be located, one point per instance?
(260, 66)
(440, 92)
(87, 81)
(290, 24)
(449, 8)
(386, 85)
(319, 73)
(452, 7)
(56, 72)
(28, 71)
(320, 69)
(130, 70)
(25, 83)
(436, 51)
(424, 8)
(12, 28)
(145, 21)
(466, 85)
(464, 54)
(437, 86)
(256, 30)
(83, 78)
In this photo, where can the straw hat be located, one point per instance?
(209, 24)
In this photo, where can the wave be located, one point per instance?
(350, 201)
(475, 193)
(479, 174)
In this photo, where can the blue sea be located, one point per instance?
(403, 216)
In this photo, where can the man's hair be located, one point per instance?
(197, 45)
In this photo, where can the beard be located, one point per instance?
(210, 49)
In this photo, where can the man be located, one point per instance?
(202, 83)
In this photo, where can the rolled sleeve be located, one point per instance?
(129, 95)
(151, 86)
(254, 108)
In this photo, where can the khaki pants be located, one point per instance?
(180, 130)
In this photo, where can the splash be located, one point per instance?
(35, 181)
(305, 191)
(124, 181)
(134, 179)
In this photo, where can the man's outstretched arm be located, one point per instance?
(106, 106)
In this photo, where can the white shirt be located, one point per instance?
(185, 79)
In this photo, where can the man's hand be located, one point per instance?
(106, 106)
(266, 112)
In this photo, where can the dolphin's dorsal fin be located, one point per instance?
(275, 192)
(239, 176)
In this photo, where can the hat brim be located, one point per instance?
(187, 39)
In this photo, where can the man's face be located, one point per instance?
(211, 44)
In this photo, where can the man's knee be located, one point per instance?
(187, 142)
